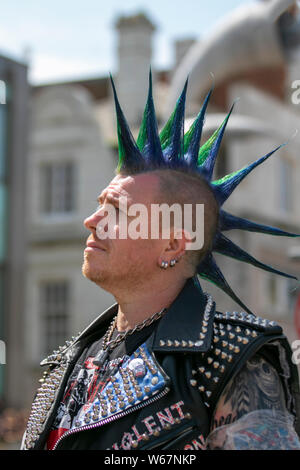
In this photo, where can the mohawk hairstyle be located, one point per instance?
(172, 149)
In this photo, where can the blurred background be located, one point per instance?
(58, 149)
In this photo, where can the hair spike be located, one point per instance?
(229, 222)
(207, 166)
(210, 271)
(129, 154)
(172, 135)
(226, 185)
(226, 247)
(193, 137)
(148, 140)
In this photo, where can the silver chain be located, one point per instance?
(121, 336)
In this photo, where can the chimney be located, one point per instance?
(134, 60)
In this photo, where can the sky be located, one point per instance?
(71, 39)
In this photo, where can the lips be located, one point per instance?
(92, 244)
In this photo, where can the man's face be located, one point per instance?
(116, 263)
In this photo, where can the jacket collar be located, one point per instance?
(187, 326)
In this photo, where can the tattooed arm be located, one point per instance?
(251, 412)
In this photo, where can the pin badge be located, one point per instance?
(137, 366)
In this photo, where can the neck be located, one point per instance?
(134, 309)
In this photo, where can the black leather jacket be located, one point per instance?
(188, 359)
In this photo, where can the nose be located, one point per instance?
(91, 222)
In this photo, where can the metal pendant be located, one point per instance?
(101, 358)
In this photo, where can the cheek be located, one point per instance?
(139, 252)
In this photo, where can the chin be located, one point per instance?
(91, 273)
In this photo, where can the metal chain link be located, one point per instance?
(121, 336)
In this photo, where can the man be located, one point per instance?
(161, 368)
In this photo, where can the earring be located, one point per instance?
(173, 262)
(164, 264)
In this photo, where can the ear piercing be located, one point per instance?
(165, 264)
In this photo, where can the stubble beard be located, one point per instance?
(127, 278)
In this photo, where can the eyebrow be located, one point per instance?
(113, 200)
(110, 199)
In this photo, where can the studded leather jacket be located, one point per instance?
(187, 361)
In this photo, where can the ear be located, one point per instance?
(175, 246)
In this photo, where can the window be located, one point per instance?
(286, 185)
(57, 187)
(54, 314)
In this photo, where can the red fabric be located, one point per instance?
(54, 436)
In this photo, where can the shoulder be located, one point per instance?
(236, 338)
(257, 386)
